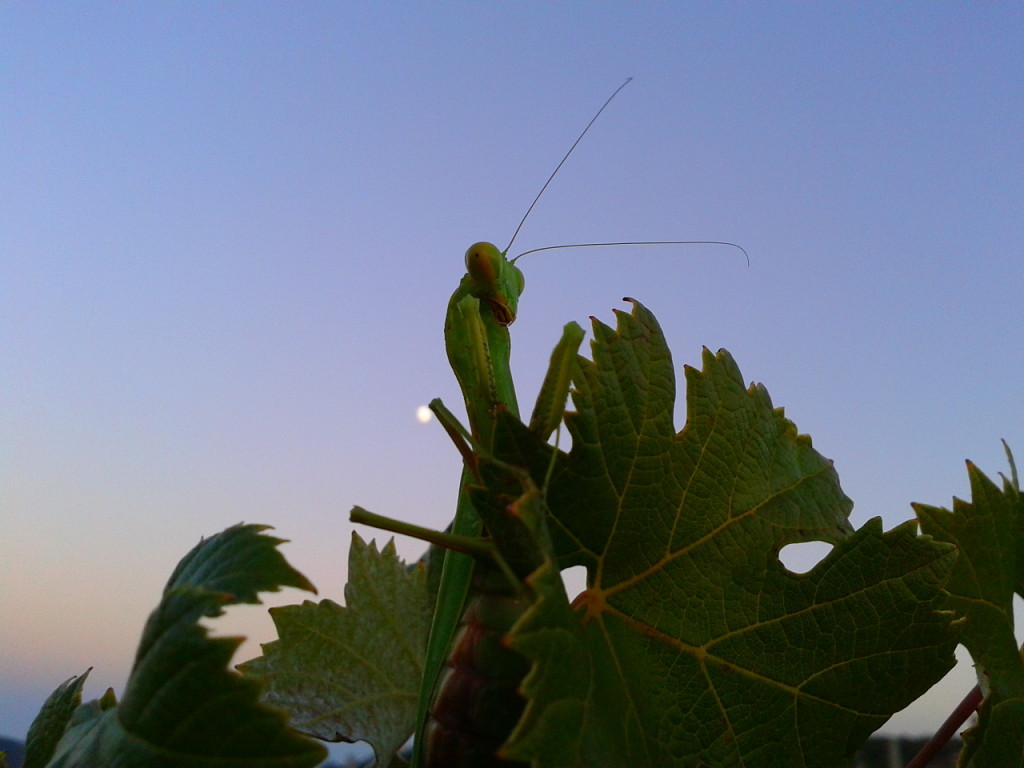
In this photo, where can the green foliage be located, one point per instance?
(182, 707)
(692, 643)
(353, 673)
(989, 533)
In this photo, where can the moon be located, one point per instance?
(423, 414)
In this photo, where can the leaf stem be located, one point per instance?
(957, 718)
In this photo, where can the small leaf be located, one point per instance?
(182, 707)
(352, 673)
(49, 725)
(990, 536)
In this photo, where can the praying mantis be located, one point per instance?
(481, 589)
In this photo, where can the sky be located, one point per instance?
(229, 231)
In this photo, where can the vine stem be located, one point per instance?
(957, 718)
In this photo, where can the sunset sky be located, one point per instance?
(228, 233)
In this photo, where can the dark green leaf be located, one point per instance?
(989, 533)
(182, 707)
(693, 645)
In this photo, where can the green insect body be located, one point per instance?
(475, 703)
(469, 699)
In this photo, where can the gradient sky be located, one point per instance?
(228, 233)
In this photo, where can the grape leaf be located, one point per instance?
(352, 673)
(693, 645)
(182, 707)
(990, 536)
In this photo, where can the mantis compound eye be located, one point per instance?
(517, 274)
(483, 263)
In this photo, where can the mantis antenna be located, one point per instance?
(601, 245)
(562, 162)
(637, 242)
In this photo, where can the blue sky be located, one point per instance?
(228, 233)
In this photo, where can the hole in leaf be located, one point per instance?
(575, 580)
(802, 557)
(246, 620)
(560, 438)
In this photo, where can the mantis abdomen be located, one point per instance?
(478, 703)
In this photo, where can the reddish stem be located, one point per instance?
(957, 718)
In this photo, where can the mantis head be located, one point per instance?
(495, 280)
